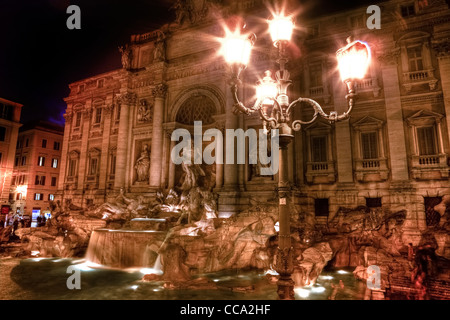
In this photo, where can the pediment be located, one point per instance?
(368, 121)
(424, 115)
(74, 154)
(94, 151)
(319, 125)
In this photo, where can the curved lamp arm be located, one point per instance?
(239, 107)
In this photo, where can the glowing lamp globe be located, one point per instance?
(267, 89)
(236, 49)
(353, 60)
(280, 29)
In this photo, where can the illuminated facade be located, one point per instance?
(9, 130)
(392, 153)
(36, 168)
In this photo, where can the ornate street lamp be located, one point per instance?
(273, 106)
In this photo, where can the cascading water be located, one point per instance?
(127, 248)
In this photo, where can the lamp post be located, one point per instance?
(275, 111)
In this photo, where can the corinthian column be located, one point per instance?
(125, 101)
(156, 156)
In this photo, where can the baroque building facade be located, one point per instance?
(391, 154)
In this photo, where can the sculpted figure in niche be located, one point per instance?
(126, 56)
(143, 114)
(142, 165)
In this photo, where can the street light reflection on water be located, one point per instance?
(45, 278)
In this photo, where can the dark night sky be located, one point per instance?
(39, 56)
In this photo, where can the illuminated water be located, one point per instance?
(46, 279)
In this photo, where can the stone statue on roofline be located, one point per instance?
(159, 53)
(183, 10)
(126, 56)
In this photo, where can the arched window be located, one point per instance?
(196, 108)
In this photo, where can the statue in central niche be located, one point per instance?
(142, 165)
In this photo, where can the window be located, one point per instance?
(19, 196)
(373, 202)
(13, 180)
(118, 112)
(93, 166)
(22, 180)
(408, 10)
(78, 119)
(100, 83)
(41, 161)
(81, 88)
(54, 163)
(44, 143)
(56, 145)
(426, 141)
(6, 111)
(2, 133)
(72, 167)
(24, 160)
(321, 207)
(369, 145)
(112, 169)
(19, 143)
(415, 61)
(16, 162)
(319, 149)
(38, 196)
(51, 197)
(98, 115)
(53, 183)
(40, 180)
(27, 142)
(315, 75)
